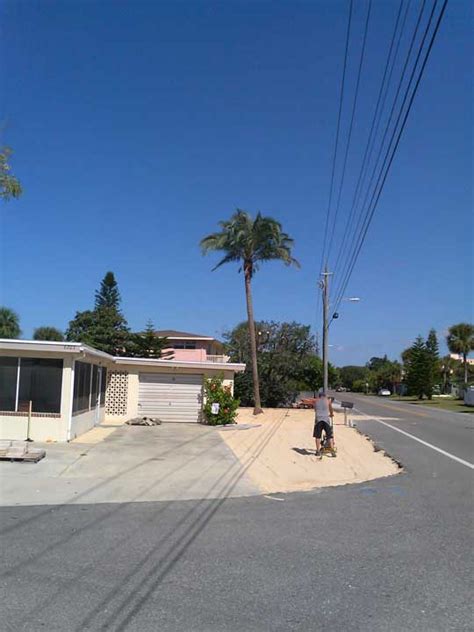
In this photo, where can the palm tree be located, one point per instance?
(9, 323)
(460, 339)
(448, 364)
(10, 187)
(250, 241)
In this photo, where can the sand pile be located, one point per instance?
(279, 452)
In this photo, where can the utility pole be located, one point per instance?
(325, 288)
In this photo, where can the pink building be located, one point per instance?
(193, 347)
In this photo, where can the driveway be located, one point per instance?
(131, 464)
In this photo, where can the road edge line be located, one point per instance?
(429, 445)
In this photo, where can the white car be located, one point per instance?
(384, 392)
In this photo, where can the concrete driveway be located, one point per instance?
(129, 464)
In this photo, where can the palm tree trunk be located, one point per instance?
(253, 342)
(464, 357)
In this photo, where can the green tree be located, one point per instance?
(147, 344)
(350, 374)
(388, 375)
(250, 242)
(108, 295)
(48, 333)
(359, 386)
(312, 374)
(460, 340)
(104, 327)
(419, 370)
(432, 343)
(433, 350)
(9, 323)
(448, 367)
(375, 363)
(10, 186)
(406, 356)
(286, 361)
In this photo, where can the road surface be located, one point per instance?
(390, 555)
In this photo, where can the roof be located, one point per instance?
(182, 364)
(8, 344)
(181, 335)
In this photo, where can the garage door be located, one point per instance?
(170, 397)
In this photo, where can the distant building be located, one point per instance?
(458, 356)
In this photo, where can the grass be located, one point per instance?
(442, 403)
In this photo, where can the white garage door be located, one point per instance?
(170, 397)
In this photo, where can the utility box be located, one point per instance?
(469, 396)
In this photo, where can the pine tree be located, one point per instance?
(108, 295)
(105, 327)
(419, 370)
(432, 348)
(147, 344)
(432, 344)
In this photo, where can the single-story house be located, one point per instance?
(73, 387)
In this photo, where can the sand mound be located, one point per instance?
(279, 452)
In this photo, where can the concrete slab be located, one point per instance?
(131, 464)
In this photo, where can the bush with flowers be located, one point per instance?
(216, 393)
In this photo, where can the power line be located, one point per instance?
(338, 126)
(401, 129)
(361, 219)
(375, 124)
(370, 212)
(351, 125)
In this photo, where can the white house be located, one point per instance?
(73, 387)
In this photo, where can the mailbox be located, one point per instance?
(347, 406)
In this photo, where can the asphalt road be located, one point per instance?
(390, 555)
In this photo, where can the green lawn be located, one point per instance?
(455, 405)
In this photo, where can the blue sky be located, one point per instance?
(137, 126)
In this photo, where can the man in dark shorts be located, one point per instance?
(324, 413)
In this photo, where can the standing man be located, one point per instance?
(323, 421)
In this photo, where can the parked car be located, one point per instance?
(384, 392)
(341, 389)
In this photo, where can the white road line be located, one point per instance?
(429, 445)
(274, 498)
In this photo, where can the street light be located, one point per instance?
(349, 299)
(324, 285)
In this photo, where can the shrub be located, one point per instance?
(359, 386)
(216, 393)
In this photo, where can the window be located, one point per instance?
(88, 386)
(8, 383)
(103, 386)
(184, 345)
(82, 387)
(38, 380)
